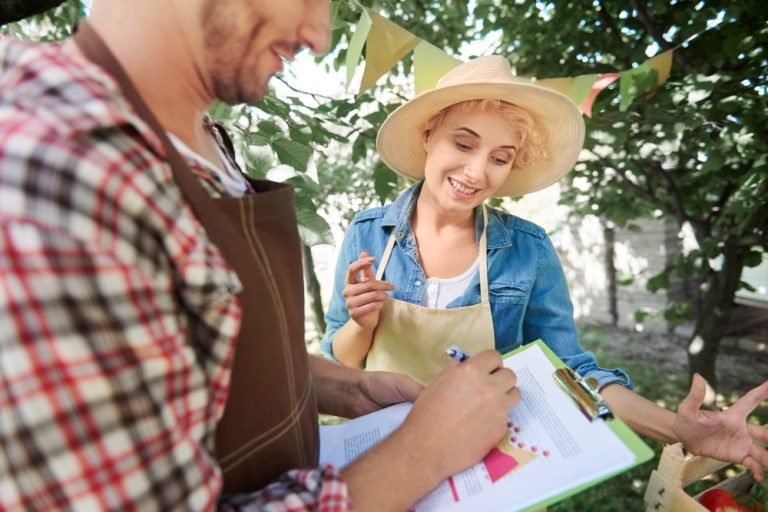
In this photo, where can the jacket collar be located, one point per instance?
(399, 215)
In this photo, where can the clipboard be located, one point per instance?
(632, 441)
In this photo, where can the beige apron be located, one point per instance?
(412, 339)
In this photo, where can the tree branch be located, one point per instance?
(315, 95)
(646, 20)
(606, 18)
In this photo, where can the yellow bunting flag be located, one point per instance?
(603, 81)
(429, 64)
(662, 63)
(356, 44)
(561, 85)
(387, 43)
(581, 86)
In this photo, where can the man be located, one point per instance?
(123, 287)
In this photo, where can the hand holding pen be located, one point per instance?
(467, 401)
(456, 353)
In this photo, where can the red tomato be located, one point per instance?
(720, 500)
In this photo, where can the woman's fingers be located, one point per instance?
(365, 309)
(356, 267)
(353, 290)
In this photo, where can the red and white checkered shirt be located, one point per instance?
(105, 404)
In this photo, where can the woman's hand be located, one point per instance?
(724, 435)
(364, 294)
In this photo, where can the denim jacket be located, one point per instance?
(528, 292)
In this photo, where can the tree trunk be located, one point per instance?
(609, 235)
(15, 10)
(313, 289)
(715, 314)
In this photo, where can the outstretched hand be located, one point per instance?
(724, 435)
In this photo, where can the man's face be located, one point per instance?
(245, 42)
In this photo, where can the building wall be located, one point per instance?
(638, 256)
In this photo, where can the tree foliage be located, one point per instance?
(693, 151)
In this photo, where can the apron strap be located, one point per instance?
(95, 50)
(482, 256)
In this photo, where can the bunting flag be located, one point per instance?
(386, 44)
(430, 63)
(662, 63)
(561, 85)
(582, 84)
(635, 82)
(356, 44)
(602, 81)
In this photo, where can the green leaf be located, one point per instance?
(313, 229)
(359, 148)
(220, 111)
(384, 181)
(292, 153)
(640, 315)
(753, 259)
(658, 282)
(714, 162)
(256, 140)
(268, 128)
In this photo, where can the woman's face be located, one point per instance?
(469, 155)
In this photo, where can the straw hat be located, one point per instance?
(399, 139)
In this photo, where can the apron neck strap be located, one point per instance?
(95, 50)
(482, 256)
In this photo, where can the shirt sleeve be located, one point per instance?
(98, 406)
(550, 317)
(321, 489)
(337, 314)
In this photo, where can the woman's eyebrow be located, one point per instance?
(475, 134)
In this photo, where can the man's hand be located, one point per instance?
(463, 412)
(455, 421)
(724, 435)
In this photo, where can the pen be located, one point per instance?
(456, 353)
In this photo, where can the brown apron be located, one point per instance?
(270, 420)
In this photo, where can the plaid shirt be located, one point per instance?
(104, 402)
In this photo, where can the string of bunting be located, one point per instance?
(386, 43)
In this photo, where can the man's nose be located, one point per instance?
(315, 32)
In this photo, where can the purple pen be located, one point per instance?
(456, 353)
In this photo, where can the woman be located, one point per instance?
(462, 273)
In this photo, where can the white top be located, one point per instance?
(441, 292)
(228, 175)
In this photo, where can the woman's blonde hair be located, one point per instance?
(534, 139)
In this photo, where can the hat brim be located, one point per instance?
(399, 141)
